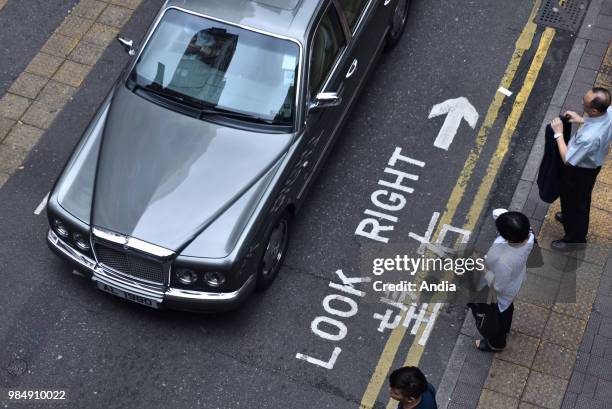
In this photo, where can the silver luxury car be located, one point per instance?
(181, 192)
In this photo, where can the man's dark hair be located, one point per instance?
(513, 226)
(601, 102)
(409, 380)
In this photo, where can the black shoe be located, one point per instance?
(559, 217)
(560, 245)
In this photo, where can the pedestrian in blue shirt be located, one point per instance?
(409, 386)
(583, 158)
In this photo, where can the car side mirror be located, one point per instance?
(127, 44)
(325, 99)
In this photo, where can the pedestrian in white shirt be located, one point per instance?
(583, 158)
(506, 262)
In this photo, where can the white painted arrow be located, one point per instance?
(457, 110)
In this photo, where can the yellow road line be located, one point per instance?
(511, 123)
(385, 361)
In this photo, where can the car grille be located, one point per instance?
(130, 264)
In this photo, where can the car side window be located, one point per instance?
(352, 9)
(327, 45)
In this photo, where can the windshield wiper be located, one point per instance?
(214, 110)
(170, 95)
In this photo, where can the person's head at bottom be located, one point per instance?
(407, 385)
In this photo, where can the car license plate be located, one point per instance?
(128, 296)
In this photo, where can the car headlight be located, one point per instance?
(214, 279)
(81, 241)
(186, 276)
(60, 228)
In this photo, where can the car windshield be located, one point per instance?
(209, 64)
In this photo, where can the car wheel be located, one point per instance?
(398, 23)
(277, 240)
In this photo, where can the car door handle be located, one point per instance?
(352, 68)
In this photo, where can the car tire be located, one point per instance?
(398, 23)
(274, 251)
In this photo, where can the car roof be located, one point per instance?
(288, 18)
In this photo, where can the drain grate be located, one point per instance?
(565, 16)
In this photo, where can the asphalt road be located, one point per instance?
(58, 332)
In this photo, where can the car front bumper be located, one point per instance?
(168, 297)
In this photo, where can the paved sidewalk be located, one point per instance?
(560, 350)
(54, 75)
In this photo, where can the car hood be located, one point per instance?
(163, 176)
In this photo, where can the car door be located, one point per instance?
(367, 21)
(327, 67)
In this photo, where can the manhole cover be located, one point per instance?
(564, 15)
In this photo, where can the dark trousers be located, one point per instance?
(504, 322)
(576, 188)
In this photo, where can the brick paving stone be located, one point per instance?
(589, 385)
(597, 48)
(599, 346)
(59, 45)
(576, 382)
(525, 405)
(582, 361)
(74, 26)
(582, 402)
(580, 88)
(581, 310)
(554, 360)
(101, 35)
(601, 34)
(521, 349)
(90, 9)
(5, 126)
(590, 61)
(86, 53)
(539, 290)
(569, 401)
(603, 305)
(40, 115)
(13, 106)
(454, 405)
(115, 16)
(55, 94)
(603, 391)
(494, 400)
(585, 75)
(563, 330)
(44, 65)
(11, 157)
(131, 4)
(605, 328)
(4, 176)
(600, 367)
(72, 73)
(604, 21)
(23, 137)
(507, 378)
(544, 390)
(28, 85)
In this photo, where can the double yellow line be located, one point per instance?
(523, 43)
